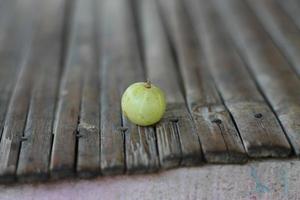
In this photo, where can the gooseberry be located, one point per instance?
(143, 103)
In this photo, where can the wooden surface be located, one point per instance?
(229, 68)
(267, 64)
(218, 135)
(177, 139)
(258, 126)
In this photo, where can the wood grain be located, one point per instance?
(176, 136)
(140, 142)
(63, 156)
(141, 149)
(281, 28)
(14, 64)
(121, 67)
(228, 68)
(260, 131)
(13, 32)
(270, 69)
(88, 152)
(112, 137)
(218, 135)
(36, 147)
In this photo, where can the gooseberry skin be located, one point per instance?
(143, 103)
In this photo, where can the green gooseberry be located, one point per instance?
(143, 103)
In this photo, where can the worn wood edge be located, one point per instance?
(88, 140)
(32, 177)
(204, 118)
(254, 60)
(82, 168)
(171, 159)
(10, 54)
(180, 39)
(7, 172)
(116, 167)
(187, 133)
(221, 157)
(140, 142)
(7, 178)
(61, 172)
(179, 122)
(112, 170)
(134, 163)
(291, 124)
(178, 155)
(243, 111)
(87, 174)
(164, 129)
(38, 129)
(68, 100)
(258, 114)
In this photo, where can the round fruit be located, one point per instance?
(143, 103)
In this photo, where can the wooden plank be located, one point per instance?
(141, 149)
(276, 79)
(121, 66)
(13, 33)
(15, 99)
(112, 137)
(218, 135)
(88, 155)
(281, 28)
(63, 156)
(9, 55)
(177, 139)
(292, 8)
(140, 142)
(260, 131)
(36, 147)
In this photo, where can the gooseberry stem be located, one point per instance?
(148, 84)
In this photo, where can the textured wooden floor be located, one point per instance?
(230, 70)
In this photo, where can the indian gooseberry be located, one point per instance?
(143, 103)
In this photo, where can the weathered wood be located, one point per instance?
(121, 67)
(112, 137)
(88, 151)
(279, 26)
(219, 138)
(274, 76)
(13, 32)
(13, 60)
(141, 149)
(53, 88)
(37, 138)
(65, 133)
(140, 142)
(176, 136)
(292, 8)
(260, 131)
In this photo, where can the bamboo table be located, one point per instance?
(230, 70)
